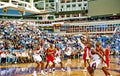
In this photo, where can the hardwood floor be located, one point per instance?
(76, 69)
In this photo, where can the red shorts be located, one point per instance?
(50, 58)
(107, 61)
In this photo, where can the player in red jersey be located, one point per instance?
(86, 55)
(50, 58)
(86, 50)
(107, 53)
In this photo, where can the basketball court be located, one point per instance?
(41, 13)
(76, 69)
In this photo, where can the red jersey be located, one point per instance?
(107, 59)
(86, 53)
(50, 57)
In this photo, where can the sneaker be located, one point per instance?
(34, 73)
(53, 70)
(85, 69)
(42, 72)
(50, 70)
(63, 69)
(46, 71)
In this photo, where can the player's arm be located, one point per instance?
(87, 38)
(54, 51)
(102, 50)
(61, 54)
(46, 51)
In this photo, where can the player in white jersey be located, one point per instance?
(38, 60)
(68, 52)
(97, 58)
(104, 64)
(58, 57)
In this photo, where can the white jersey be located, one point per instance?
(68, 51)
(42, 51)
(37, 56)
(95, 61)
(58, 56)
(58, 53)
(37, 52)
(95, 57)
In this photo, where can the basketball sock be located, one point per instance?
(42, 72)
(34, 73)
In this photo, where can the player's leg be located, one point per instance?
(104, 69)
(36, 68)
(42, 68)
(46, 66)
(90, 71)
(62, 68)
(53, 66)
(85, 64)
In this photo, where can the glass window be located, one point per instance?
(79, 5)
(68, 15)
(73, 0)
(62, 1)
(83, 8)
(50, 17)
(40, 17)
(68, 6)
(51, 0)
(4, 0)
(79, 0)
(74, 5)
(67, 1)
(85, 4)
(56, 16)
(62, 16)
(62, 6)
(34, 0)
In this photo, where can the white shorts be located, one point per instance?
(37, 58)
(95, 63)
(57, 60)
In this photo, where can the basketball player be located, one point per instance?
(105, 64)
(50, 52)
(42, 49)
(38, 60)
(68, 52)
(99, 48)
(58, 57)
(86, 53)
(107, 53)
(96, 59)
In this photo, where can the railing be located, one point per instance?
(20, 5)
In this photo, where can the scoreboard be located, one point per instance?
(103, 7)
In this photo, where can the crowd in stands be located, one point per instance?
(18, 39)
